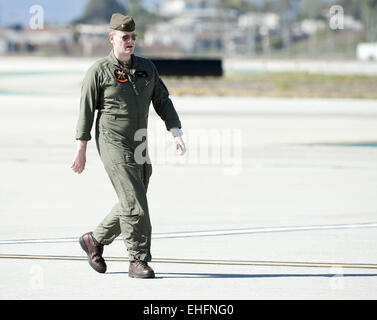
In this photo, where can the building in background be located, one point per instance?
(191, 27)
(48, 40)
(174, 28)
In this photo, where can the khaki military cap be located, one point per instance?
(121, 22)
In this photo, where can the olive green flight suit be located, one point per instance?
(123, 107)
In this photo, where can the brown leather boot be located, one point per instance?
(140, 269)
(94, 251)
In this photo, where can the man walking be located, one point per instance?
(121, 87)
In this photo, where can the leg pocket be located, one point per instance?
(119, 152)
(130, 189)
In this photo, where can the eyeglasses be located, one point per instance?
(127, 37)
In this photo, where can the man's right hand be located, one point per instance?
(79, 160)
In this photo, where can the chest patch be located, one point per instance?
(120, 75)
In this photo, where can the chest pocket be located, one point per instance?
(117, 93)
(111, 89)
(143, 82)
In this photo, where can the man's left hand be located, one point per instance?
(179, 144)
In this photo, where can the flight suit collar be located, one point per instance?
(118, 64)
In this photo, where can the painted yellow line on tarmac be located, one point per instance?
(201, 261)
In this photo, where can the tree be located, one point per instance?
(313, 10)
(141, 16)
(100, 11)
(352, 8)
(369, 16)
(240, 6)
(288, 11)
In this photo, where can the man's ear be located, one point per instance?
(111, 37)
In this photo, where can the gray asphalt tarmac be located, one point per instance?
(275, 199)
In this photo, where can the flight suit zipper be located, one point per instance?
(131, 79)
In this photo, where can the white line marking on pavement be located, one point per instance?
(207, 233)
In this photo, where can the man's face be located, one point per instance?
(123, 41)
